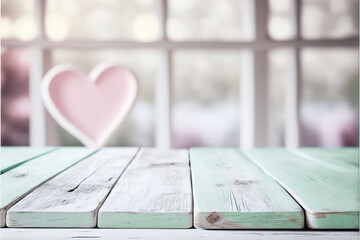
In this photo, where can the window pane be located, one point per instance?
(138, 127)
(17, 19)
(208, 20)
(281, 25)
(279, 74)
(206, 98)
(15, 101)
(329, 106)
(330, 18)
(102, 20)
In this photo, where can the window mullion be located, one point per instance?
(297, 8)
(163, 102)
(163, 11)
(163, 89)
(293, 88)
(43, 129)
(292, 101)
(254, 116)
(38, 115)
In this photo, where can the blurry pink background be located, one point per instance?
(205, 83)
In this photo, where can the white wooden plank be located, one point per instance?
(173, 234)
(73, 198)
(12, 157)
(21, 180)
(154, 192)
(231, 192)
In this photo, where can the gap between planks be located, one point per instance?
(12, 157)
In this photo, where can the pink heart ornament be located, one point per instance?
(89, 107)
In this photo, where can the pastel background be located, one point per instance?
(212, 73)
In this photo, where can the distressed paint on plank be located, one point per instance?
(12, 157)
(72, 198)
(329, 194)
(153, 192)
(231, 192)
(173, 234)
(19, 181)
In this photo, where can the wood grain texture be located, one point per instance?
(173, 234)
(231, 192)
(12, 157)
(72, 198)
(153, 192)
(19, 181)
(324, 182)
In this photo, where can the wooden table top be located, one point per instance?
(290, 192)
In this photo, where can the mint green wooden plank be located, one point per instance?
(345, 158)
(72, 198)
(322, 181)
(153, 192)
(12, 157)
(231, 192)
(19, 181)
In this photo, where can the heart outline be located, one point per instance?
(92, 76)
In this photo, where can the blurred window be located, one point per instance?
(205, 108)
(207, 20)
(18, 20)
(279, 72)
(329, 107)
(15, 100)
(205, 41)
(102, 20)
(281, 19)
(330, 18)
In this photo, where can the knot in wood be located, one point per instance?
(213, 217)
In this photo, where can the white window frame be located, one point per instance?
(253, 95)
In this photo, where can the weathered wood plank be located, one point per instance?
(21, 180)
(12, 157)
(325, 186)
(72, 198)
(173, 234)
(345, 158)
(231, 192)
(153, 192)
